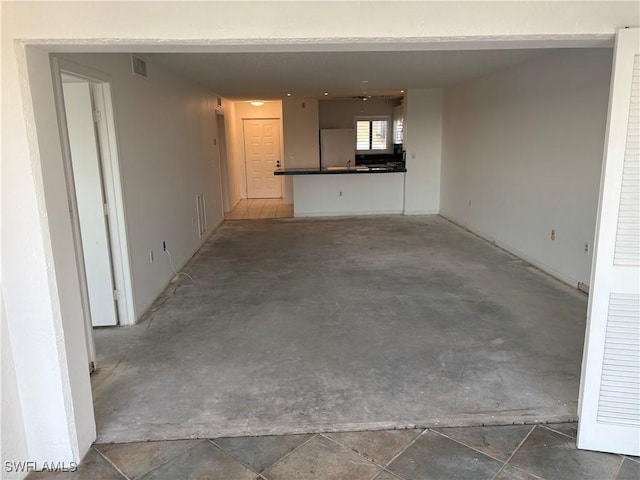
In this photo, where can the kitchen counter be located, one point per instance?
(329, 191)
(342, 170)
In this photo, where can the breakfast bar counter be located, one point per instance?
(355, 190)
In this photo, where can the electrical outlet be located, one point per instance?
(164, 246)
(553, 234)
(586, 247)
(150, 256)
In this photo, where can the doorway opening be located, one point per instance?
(96, 206)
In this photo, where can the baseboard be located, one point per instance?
(346, 214)
(421, 212)
(572, 282)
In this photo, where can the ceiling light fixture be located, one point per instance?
(326, 93)
(401, 91)
(257, 103)
(288, 94)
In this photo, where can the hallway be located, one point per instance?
(297, 326)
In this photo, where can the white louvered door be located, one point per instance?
(609, 408)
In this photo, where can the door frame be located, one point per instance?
(111, 176)
(222, 141)
(244, 152)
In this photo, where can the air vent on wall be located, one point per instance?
(139, 66)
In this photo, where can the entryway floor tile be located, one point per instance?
(260, 208)
(433, 456)
(136, 459)
(322, 459)
(205, 461)
(497, 442)
(441, 454)
(551, 455)
(259, 453)
(379, 446)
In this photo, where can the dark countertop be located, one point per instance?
(341, 170)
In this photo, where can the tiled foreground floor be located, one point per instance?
(518, 452)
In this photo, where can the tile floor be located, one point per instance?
(516, 452)
(259, 208)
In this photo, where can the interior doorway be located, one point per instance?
(88, 182)
(85, 114)
(262, 157)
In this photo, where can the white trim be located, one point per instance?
(117, 218)
(101, 87)
(420, 212)
(73, 210)
(511, 249)
(335, 44)
(346, 214)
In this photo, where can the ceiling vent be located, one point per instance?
(139, 66)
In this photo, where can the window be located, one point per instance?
(372, 135)
(398, 124)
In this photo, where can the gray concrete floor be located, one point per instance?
(297, 326)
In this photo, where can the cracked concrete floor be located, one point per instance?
(297, 326)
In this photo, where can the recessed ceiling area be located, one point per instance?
(270, 76)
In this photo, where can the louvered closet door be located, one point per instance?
(609, 408)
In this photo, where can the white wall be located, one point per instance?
(165, 129)
(240, 112)
(13, 444)
(342, 113)
(300, 131)
(524, 146)
(423, 144)
(39, 283)
(47, 338)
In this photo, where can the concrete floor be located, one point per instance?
(297, 326)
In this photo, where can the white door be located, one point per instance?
(262, 156)
(609, 408)
(87, 176)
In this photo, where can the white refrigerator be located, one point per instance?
(337, 147)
